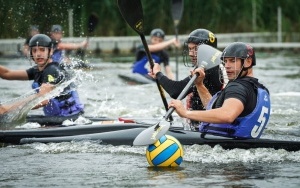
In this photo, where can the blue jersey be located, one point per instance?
(67, 103)
(140, 66)
(249, 126)
(57, 56)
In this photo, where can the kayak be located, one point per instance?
(124, 134)
(135, 78)
(69, 126)
(57, 121)
(14, 136)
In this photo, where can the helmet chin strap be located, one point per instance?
(242, 70)
(245, 68)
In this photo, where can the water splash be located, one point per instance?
(18, 108)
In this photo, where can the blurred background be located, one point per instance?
(254, 21)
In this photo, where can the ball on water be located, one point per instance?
(167, 151)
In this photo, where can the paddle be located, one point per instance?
(91, 26)
(132, 13)
(208, 57)
(177, 9)
(16, 110)
(92, 23)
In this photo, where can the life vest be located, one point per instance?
(57, 56)
(139, 66)
(250, 126)
(63, 105)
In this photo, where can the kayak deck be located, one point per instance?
(14, 136)
(135, 78)
(57, 120)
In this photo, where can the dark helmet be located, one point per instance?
(239, 50)
(56, 28)
(157, 33)
(202, 36)
(40, 40)
(198, 36)
(34, 28)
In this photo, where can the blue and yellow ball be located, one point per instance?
(167, 151)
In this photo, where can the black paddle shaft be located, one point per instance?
(91, 26)
(92, 22)
(132, 12)
(177, 9)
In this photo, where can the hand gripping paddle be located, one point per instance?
(208, 57)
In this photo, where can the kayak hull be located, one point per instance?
(125, 133)
(135, 78)
(14, 136)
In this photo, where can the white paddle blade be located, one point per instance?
(208, 57)
(151, 135)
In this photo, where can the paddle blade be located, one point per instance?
(177, 10)
(132, 12)
(151, 135)
(208, 57)
(92, 22)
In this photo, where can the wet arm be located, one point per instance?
(204, 94)
(72, 46)
(8, 74)
(162, 45)
(229, 111)
(44, 89)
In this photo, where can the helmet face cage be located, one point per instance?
(31, 54)
(40, 40)
(223, 77)
(185, 54)
(198, 36)
(238, 50)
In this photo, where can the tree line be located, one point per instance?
(219, 16)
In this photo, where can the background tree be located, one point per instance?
(220, 16)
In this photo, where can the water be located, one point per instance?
(89, 164)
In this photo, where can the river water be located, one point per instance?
(90, 164)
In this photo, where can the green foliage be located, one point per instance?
(219, 16)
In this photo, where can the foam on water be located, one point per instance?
(90, 164)
(192, 154)
(287, 94)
